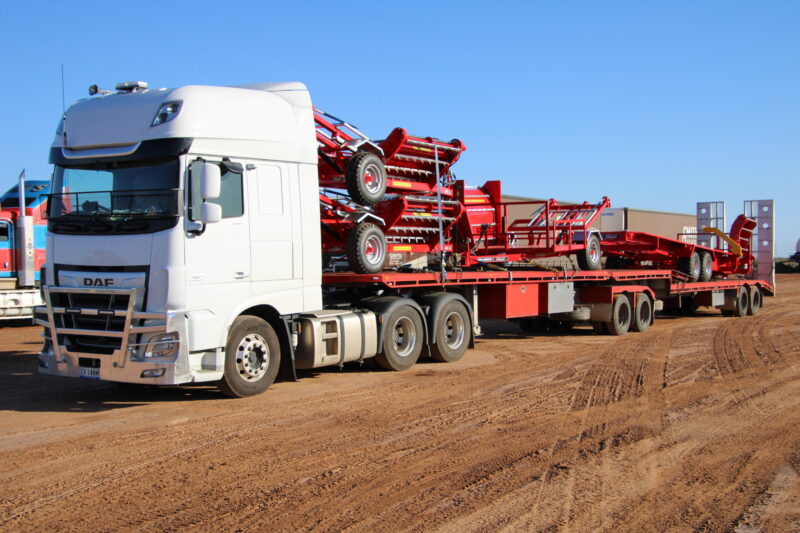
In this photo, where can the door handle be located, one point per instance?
(239, 275)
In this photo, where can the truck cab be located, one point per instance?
(173, 214)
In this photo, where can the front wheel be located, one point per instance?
(252, 357)
(690, 266)
(589, 257)
(706, 266)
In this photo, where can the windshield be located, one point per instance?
(129, 197)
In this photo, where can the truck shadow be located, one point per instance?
(22, 388)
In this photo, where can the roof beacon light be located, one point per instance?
(131, 86)
(167, 112)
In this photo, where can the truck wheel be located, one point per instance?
(403, 335)
(756, 299)
(252, 357)
(589, 257)
(452, 333)
(620, 316)
(642, 313)
(690, 266)
(366, 178)
(742, 302)
(706, 266)
(366, 249)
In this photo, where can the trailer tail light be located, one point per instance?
(167, 112)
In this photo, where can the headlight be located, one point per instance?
(167, 112)
(161, 345)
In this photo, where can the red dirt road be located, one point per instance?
(692, 425)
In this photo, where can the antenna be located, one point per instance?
(63, 100)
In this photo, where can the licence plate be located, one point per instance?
(91, 373)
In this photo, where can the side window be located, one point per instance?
(4, 236)
(230, 198)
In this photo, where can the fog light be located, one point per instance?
(162, 345)
(153, 372)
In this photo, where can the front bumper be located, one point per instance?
(127, 332)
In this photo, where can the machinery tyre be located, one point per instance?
(403, 336)
(706, 266)
(599, 327)
(642, 313)
(621, 316)
(452, 333)
(742, 302)
(690, 266)
(756, 299)
(589, 257)
(366, 249)
(366, 178)
(252, 357)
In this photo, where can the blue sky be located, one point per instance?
(657, 105)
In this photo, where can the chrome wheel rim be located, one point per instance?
(252, 357)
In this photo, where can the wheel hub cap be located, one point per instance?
(252, 357)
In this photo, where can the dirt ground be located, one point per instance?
(692, 425)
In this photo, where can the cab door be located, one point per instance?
(218, 273)
(272, 231)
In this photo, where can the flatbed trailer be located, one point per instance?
(613, 301)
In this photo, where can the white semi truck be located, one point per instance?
(184, 246)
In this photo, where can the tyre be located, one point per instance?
(366, 249)
(599, 327)
(642, 313)
(403, 336)
(706, 266)
(452, 333)
(365, 178)
(252, 357)
(742, 302)
(690, 266)
(589, 257)
(756, 299)
(620, 316)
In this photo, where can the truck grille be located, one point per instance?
(111, 310)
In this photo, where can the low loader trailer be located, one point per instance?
(186, 229)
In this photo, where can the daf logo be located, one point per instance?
(98, 282)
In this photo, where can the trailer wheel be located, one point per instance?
(642, 313)
(366, 249)
(589, 257)
(403, 336)
(742, 302)
(690, 266)
(252, 357)
(452, 333)
(620, 316)
(706, 266)
(756, 299)
(366, 178)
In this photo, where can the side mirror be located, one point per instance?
(210, 181)
(210, 213)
